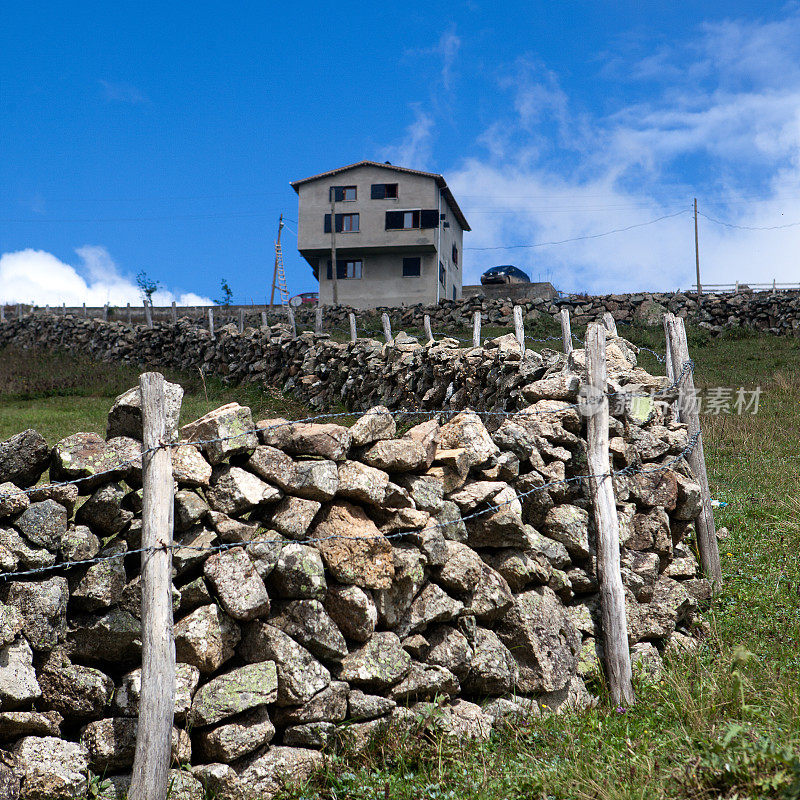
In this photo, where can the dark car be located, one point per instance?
(304, 298)
(505, 273)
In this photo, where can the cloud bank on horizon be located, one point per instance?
(717, 115)
(38, 277)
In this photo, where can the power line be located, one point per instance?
(582, 238)
(748, 227)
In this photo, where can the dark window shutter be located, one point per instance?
(378, 191)
(339, 223)
(330, 275)
(327, 223)
(430, 218)
(339, 193)
(394, 220)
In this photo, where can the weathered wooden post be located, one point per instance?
(610, 323)
(63, 309)
(690, 414)
(19, 310)
(476, 329)
(264, 323)
(292, 323)
(148, 314)
(129, 314)
(353, 333)
(241, 320)
(387, 327)
(47, 309)
(519, 328)
(211, 322)
(105, 313)
(566, 330)
(612, 593)
(318, 319)
(426, 324)
(157, 702)
(174, 313)
(3, 312)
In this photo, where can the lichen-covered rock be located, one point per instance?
(375, 425)
(125, 416)
(569, 525)
(520, 568)
(353, 548)
(317, 735)
(78, 544)
(51, 768)
(189, 468)
(278, 768)
(43, 524)
(219, 781)
(239, 587)
(18, 684)
(323, 440)
(17, 552)
(463, 720)
(380, 663)
(467, 431)
(308, 623)
(103, 511)
(224, 432)
(101, 584)
(298, 573)
(15, 724)
(362, 706)
(206, 638)
(448, 647)
(115, 636)
(462, 569)
(23, 458)
(12, 500)
(300, 675)
(327, 705)
(353, 611)
(425, 682)
(181, 785)
(235, 490)
(76, 692)
(688, 504)
(542, 639)
(396, 455)
(127, 696)
(238, 737)
(409, 576)
(490, 598)
(43, 608)
(363, 483)
(10, 624)
(431, 605)
(293, 516)
(314, 480)
(235, 692)
(84, 456)
(492, 668)
(190, 509)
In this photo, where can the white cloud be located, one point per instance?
(415, 149)
(717, 117)
(123, 93)
(38, 277)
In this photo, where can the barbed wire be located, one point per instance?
(491, 508)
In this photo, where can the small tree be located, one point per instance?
(147, 286)
(227, 293)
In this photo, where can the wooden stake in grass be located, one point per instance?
(157, 702)
(292, 323)
(519, 328)
(566, 330)
(318, 319)
(241, 320)
(129, 313)
(211, 322)
(612, 594)
(426, 324)
(387, 327)
(264, 323)
(148, 314)
(105, 313)
(610, 324)
(352, 319)
(690, 414)
(476, 329)
(174, 313)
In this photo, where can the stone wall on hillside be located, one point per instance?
(330, 583)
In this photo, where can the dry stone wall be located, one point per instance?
(330, 581)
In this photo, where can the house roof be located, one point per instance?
(440, 182)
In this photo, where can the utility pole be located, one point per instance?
(333, 247)
(697, 254)
(275, 271)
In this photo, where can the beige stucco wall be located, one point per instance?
(380, 250)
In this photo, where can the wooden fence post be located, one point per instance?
(476, 329)
(174, 313)
(264, 323)
(353, 333)
(129, 314)
(3, 312)
(241, 320)
(387, 327)
(318, 319)
(426, 324)
(612, 594)
(690, 414)
(519, 328)
(47, 309)
(63, 309)
(292, 323)
(211, 322)
(157, 702)
(148, 314)
(566, 330)
(610, 324)
(19, 310)
(105, 313)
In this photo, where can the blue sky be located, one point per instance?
(162, 137)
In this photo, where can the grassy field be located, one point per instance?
(721, 723)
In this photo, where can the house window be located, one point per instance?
(455, 255)
(411, 267)
(454, 292)
(384, 191)
(442, 274)
(342, 193)
(345, 269)
(408, 220)
(345, 223)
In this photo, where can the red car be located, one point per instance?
(304, 298)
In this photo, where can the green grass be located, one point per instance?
(721, 723)
(59, 394)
